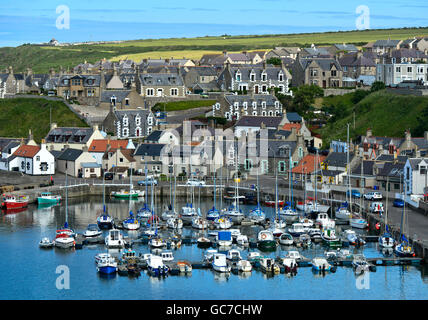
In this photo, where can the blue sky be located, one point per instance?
(33, 21)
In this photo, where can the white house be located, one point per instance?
(415, 175)
(34, 160)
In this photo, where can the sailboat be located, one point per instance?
(145, 212)
(233, 211)
(257, 214)
(203, 242)
(288, 213)
(403, 249)
(188, 212)
(213, 213)
(65, 237)
(105, 221)
(169, 212)
(131, 223)
(277, 228)
(174, 222)
(386, 240)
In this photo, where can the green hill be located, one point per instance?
(19, 115)
(387, 114)
(43, 58)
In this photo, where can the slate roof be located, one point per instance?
(346, 47)
(367, 168)
(154, 136)
(161, 79)
(293, 117)
(151, 149)
(70, 154)
(352, 60)
(338, 159)
(256, 121)
(324, 63)
(271, 72)
(69, 135)
(386, 43)
(390, 158)
(392, 170)
(120, 95)
(317, 51)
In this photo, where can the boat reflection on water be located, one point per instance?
(106, 276)
(13, 211)
(221, 276)
(387, 252)
(244, 275)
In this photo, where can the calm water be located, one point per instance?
(28, 272)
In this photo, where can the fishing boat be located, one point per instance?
(242, 240)
(268, 265)
(352, 238)
(223, 222)
(167, 256)
(294, 254)
(330, 238)
(296, 229)
(107, 265)
(100, 256)
(115, 239)
(219, 263)
(244, 266)
(233, 255)
(156, 267)
(286, 239)
(320, 264)
(277, 232)
(404, 249)
(157, 242)
(273, 203)
(224, 238)
(324, 221)
(92, 231)
(307, 223)
(14, 201)
(46, 243)
(48, 198)
(290, 265)
(266, 240)
(184, 266)
(125, 194)
(315, 234)
(360, 264)
(386, 240)
(358, 222)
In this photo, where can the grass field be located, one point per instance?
(43, 58)
(18, 115)
(183, 105)
(387, 114)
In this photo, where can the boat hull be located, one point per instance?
(107, 269)
(267, 245)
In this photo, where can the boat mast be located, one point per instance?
(291, 179)
(386, 207)
(276, 191)
(66, 199)
(236, 182)
(258, 189)
(130, 189)
(348, 172)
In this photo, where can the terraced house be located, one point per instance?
(258, 79)
(129, 123)
(232, 106)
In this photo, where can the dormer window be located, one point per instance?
(113, 100)
(280, 77)
(137, 120)
(264, 76)
(236, 104)
(253, 76)
(238, 76)
(125, 121)
(126, 102)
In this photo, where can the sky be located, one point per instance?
(35, 21)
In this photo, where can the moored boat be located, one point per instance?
(14, 201)
(48, 198)
(266, 240)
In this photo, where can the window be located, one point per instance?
(264, 166)
(238, 76)
(90, 92)
(113, 100)
(333, 73)
(264, 76)
(120, 159)
(125, 121)
(137, 121)
(248, 164)
(150, 92)
(174, 92)
(75, 82)
(313, 72)
(245, 105)
(253, 77)
(37, 158)
(409, 69)
(264, 104)
(264, 88)
(281, 77)
(44, 166)
(149, 121)
(125, 132)
(254, 113)
(126, 102)
(397, 69)
(281, 166)
(423, 170)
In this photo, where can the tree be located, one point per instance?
(274, 60)
(377, 85)
(304, 96)
(359, 95)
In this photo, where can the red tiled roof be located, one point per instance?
(308, 164)
(26, 151)
(289, 126)
(100, 145)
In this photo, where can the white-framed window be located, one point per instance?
(137, 120)
(227, 115)
(236, 105)
(264, 88)
(270, 113)
(245, 105)
(280, 76)
(217, 106)
(150, 121)
(254, 113)
(276, 104)
(254, 105)
(125, 132)
(263, 104)
(238, 76)
(150, 92)
(125, 121)
(252, 76)
(264, 113)
(174, 92)
(264, 76)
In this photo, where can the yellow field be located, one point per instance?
(188, 54)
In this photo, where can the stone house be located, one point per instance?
(324, 72)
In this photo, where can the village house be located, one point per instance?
(255, 79)
(283, 52)
(200, 79)
(358, 69)
(150, 155)
(129, 123)
(415, 180)
(253, 124)
(160, 85)
(58, 138)
(118, 161)
(99, 147)
(233, 107)
(382, 46)
(78, 163)
(324, 72)
(121, 99)
(85, 88)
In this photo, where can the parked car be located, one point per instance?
(108, 176)
(354, 194)
(195, 182)
(398, 203)
(148, 181)
(373, 196)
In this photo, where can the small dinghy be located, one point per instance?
(46, 243)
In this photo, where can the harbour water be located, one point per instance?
(28, 272)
